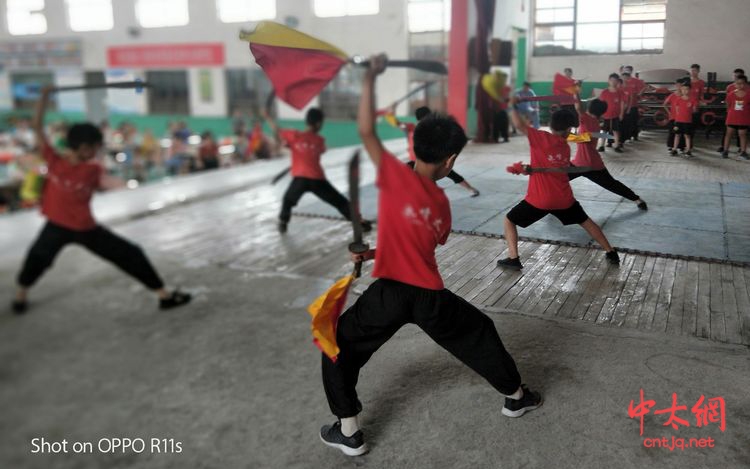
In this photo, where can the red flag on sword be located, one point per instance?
(563, 85)
(298, 66)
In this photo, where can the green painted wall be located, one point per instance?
(337, 133)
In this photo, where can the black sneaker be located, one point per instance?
(618, 149)
(613, 258)
(669, 149)
(177, 298)
(508, 263)
(528, 402)
(475, 193)
(725, 154)
(600, 149)
(689, 153)
(744, 156)
(19, 307)
(720, 150)
(349, 445)
(673, 153)
(642, 205)
(366, 226)
(282, 227)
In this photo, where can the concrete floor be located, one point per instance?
(235, 379)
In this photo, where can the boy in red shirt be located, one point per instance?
(408, 128)
(730, 88)
(307, 174)
(683, 109)
(738, 116)
(697, 91)
(549, 190)
(635, 87)
(668, 101)
(615, 100)
(587, 156)
(70, 183)
(414, 217)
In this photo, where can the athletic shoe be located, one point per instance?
(613, 258)
(177, 298)
(508, 263)
(366, 226)
(350, 445)
(673, 153)
(689, 153)
(600, 149)
(744, 156)
(643, 205)
(475, 193)
(669, 149)
(725, 154)
(282, 227)
(618, 149)
(720, 150)
(19, 307)
(609, 144)
(528, 402)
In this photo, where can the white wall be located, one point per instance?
(510, 14)
(384, 32)
(712, 33)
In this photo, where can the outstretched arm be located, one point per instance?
(271, 123)
(38, 124)
(366, 113)
(519, 122)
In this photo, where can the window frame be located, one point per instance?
(574, 24)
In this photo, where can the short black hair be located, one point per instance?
(695, 66)
(84, 133)
(739, 70)
(684, 81)
(422, 112)
(526, 83)
(625, 73)
(566, 69)
(614, 75)
(437, 138)
(562, 119)
(626, 67)
(314, 116)
(597, 107)
(741, 77)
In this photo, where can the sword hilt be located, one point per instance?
(358, 248)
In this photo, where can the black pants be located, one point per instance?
(629, 127)
(602, 178)
(449, 320)
(453, 176)
(100, 241)
(500, 125)
(670, 137)
(320, 187)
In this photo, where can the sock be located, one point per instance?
(349, 426)
(516, 395)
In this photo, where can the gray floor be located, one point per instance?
(697, 219)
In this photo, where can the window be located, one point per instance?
(236, 11)
(331, 8)
(429, 15)
(161, 13)
(168, 92)
(564, 27)
(26, 17)
(340, 99)
(90, 15)
(247, 89)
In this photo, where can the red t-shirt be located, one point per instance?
(738, 112)
(306, 150)
(586, 154)
(409, 129)
(613, 100)
(633, 87)
(697, 88)
(414, 216)
(683, 109)
(549, 191)
(669, 102)
(68, 189)
(730, 88)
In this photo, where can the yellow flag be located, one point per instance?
(325, 312)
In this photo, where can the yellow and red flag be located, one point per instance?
(299, 66)
(325, 312)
